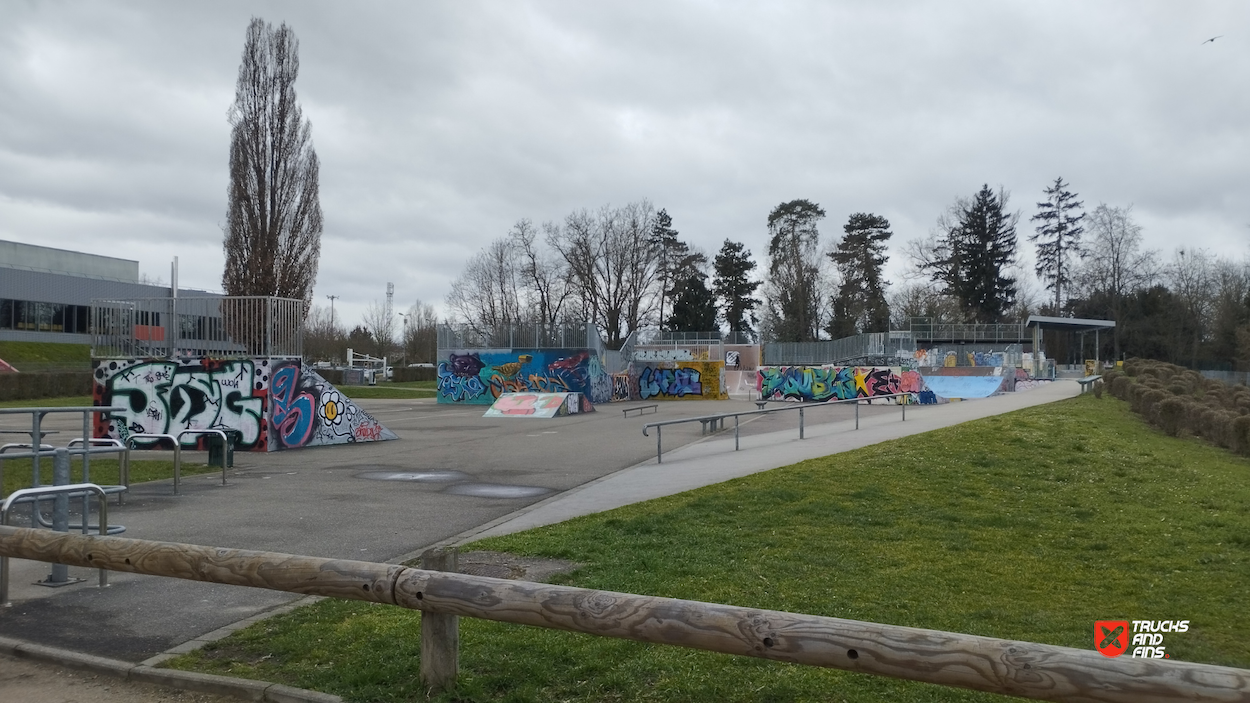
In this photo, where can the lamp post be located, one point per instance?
(332, 299)
(405, 316)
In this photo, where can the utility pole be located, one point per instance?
(332, 299)
(405, 316)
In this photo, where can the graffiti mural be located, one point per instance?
(480, 377)
(539, 405)
(271, 404)
(822, 383)
(677, 380)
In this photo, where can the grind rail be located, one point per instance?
(719, 420)
(1025, 669)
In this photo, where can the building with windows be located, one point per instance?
(46, 294)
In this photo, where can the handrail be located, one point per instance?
(735, 415)
(177, 454)
(36, 421)
(71, 489)
(224, 445)
(1008, 667)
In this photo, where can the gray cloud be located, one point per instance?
(439, 125)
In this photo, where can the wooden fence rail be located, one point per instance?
(1024, 669)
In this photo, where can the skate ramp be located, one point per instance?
(964, 386)
(539, 405)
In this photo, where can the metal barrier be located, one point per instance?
(713, 420)
(224, 446)
(36, 423)
(60, 517)
(177, 454)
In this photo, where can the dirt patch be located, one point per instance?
(503, 565)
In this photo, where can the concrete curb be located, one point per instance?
(245, 689)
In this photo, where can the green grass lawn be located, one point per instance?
(18, 473)
(1026, 526)
(406, 390)
(17, 353)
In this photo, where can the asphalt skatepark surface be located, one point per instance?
(478, 476)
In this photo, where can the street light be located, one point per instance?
(405, 316)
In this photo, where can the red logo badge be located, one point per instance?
(1111, 637)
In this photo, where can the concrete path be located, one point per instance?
(714, 459)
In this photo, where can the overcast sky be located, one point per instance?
(438, 125)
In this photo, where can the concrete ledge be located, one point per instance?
(202, 683)
(278, 693)
(74, 660)
(8, 646)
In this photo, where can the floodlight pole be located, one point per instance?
(332, 299)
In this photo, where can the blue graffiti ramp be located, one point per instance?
(964, 386)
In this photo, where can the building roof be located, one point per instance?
(1069, 324)
(31, 257)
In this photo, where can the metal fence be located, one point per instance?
(518, 336)
(223, 326)
(925, 329)
(873, 347)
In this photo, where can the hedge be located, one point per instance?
(1181, 402)
(29, 386)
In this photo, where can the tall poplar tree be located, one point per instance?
(273, 220)
(1058, 238)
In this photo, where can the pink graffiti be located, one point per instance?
(527, 403)
(368, 433)
(911, 382)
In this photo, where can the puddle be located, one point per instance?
(418, 476)
(496, 490)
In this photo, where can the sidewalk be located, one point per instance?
(714, 460)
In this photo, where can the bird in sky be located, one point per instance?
(1211, 39)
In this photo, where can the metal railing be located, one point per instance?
(37, 434)
(519, 335)
(225, 447)
(177, 454)
(879, 347)
(929, 330)
(714, 420)
(220, 326)
(33, 495)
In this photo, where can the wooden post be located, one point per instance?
(440, 632)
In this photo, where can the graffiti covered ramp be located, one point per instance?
(539, 405)
(272, 404)
(964, 386)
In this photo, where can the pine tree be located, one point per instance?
(732, 285)
(860, 305)
(1058, 238)
(974, 253)
(669, 251)
(792, 293)
(694, 308)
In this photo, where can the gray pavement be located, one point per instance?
(477, 477)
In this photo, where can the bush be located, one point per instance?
(1240, 431)
(1098, 386)
(1178, 389)
(1120, 387)
(30, 386)
(1171, 415)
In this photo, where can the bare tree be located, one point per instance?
(486, 294)
(324, 338)
(273, 230)
(1191, 278)
(543, 277)
(1116, 265)
(421, 334)
(611, 265)
(380, 324)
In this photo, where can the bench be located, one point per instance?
(654, 408)
(1087, 382)
(711, 424)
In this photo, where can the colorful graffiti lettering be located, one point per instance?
(822, 383)
(292, 415)
(656, 382)
(270, 404)
(910, 382)
(482, 377)
(166, 397)
(620, 386)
